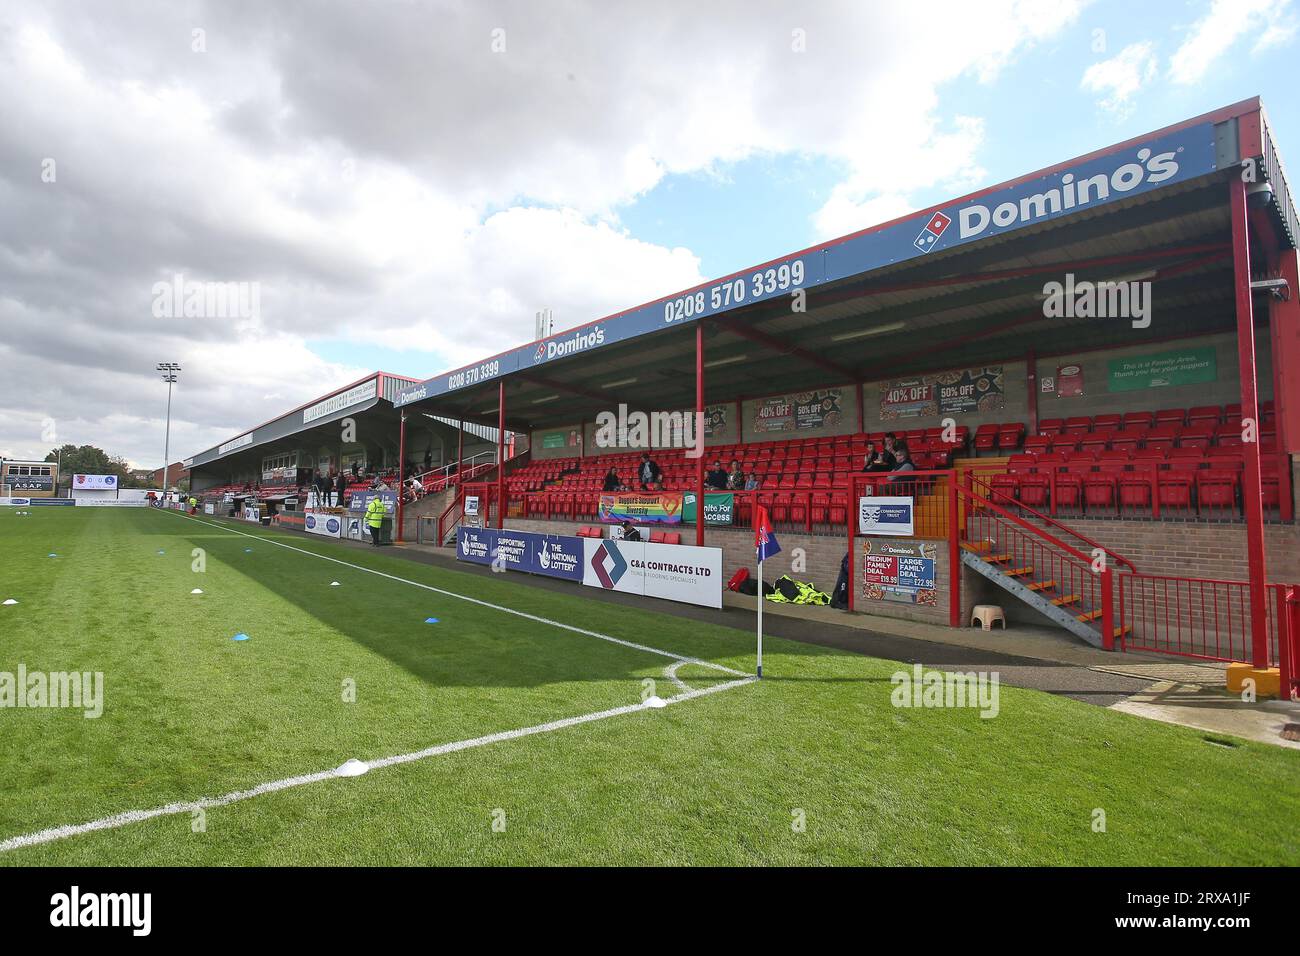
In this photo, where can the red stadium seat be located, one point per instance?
(1035, 490)
(1216, 489)
(1099, 490)
(1205, 415)
(1138, 420)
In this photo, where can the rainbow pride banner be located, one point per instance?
(661, 507)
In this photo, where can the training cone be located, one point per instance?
(53, 555)
(240, 637)
(430, 620)
(334, 584)
(197, 591)
(11, 601)
(654, 702)
(352, 768)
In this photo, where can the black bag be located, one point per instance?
(789, 590)
(840, 595)
(750, 586)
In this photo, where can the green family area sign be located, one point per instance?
(1159, 369)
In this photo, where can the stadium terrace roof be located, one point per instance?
(955, 285)
(317, 420)
(372, 392)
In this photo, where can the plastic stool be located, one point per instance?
(986, 614)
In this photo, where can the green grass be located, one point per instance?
(190, 713)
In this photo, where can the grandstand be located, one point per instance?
(1157, 430)
(1094, 370)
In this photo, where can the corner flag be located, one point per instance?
(765, 543)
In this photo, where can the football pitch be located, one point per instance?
(505, 724)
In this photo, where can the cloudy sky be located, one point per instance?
(403, 184)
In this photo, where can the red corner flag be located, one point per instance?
(765, 543)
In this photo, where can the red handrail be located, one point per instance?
(1119, 558)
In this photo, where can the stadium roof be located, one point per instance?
(955, 285)
(371, 394)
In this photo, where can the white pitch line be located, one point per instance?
(207, 803)
(462, 597)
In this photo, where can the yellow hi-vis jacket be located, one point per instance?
(375, 512)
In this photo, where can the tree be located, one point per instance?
(87, 460)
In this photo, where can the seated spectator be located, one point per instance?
(874, 459)
(612, 481)
(751, 481)
(716, 479)
(630, 533)
(649, 474)
(736, 476)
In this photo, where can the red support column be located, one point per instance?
(954, 552)
(460, 450)
(401, 472)
(1284, 319)
(699, 438)
(1031, 382)
(1250, 483)
(851, 512)
(501, 454)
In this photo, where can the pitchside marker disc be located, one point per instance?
(353, 768)
(11, 601)
(197, 591)
(654, 701)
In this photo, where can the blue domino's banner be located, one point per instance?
(52, 502)
(1141, 168)
(552, 555)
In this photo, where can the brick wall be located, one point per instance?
(820, 559)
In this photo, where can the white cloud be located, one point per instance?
(1228, 21)
(1119, 79)
(385, 177)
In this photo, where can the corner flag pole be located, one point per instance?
(760, 618)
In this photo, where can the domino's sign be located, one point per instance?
(885, 515)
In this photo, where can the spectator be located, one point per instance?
(355, 469)
(630, 533)
(327, 486)
(751, 481)
(888, 456)
(874, 459)
(648, 473)
(612, 481)
(716, 478)
(428, 460)
(902, 460)
(736, 477)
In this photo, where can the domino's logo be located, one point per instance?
(932, 231)
(608, 564)
(540, 354)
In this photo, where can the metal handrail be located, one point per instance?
(1119, 558)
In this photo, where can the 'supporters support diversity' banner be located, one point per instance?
(664, 507)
